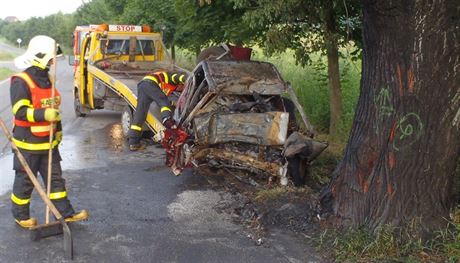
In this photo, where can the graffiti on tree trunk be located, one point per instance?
(384, 108)
(407, 128)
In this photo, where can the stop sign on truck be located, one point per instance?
(125, 28)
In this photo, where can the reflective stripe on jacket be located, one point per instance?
(41, 98)
(167, 82)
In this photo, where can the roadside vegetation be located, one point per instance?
(389, 244)
(6, 56)
(5, 73)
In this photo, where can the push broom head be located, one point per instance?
(53, 229)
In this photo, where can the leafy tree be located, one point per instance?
(186, 23)
(160, 14)
(199, 26)
(58, 26)
(97, 12)
(3, 23)
(117, 7)
(399, 164)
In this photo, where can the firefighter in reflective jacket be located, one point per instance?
(154, 87)
(31, 100)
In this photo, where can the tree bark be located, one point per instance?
(333, 71)
(399, 163)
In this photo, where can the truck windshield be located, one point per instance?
(121, 47)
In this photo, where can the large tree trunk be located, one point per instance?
(399, 164)
(333, 72)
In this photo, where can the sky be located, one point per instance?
(25, 9)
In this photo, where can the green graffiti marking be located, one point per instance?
(409, 129)
(384, 108)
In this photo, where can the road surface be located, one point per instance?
(139, 211)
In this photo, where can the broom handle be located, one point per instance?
(50, 151)
(29, 172)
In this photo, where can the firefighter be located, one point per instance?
(31, 101)
(154, 87)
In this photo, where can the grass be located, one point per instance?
(185, 59)
(6, 56)
(389, 244)
(269, 194)
(5, 73)
(274, 193)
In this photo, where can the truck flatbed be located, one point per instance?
(124, 83)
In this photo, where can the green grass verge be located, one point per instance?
(5, 73)
(185, 59)
(6, 56)
(388, 244)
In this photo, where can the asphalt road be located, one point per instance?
(139, 211)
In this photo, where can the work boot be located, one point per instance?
(136, 147)
(82, 215)
(135, 144)
(28, 223)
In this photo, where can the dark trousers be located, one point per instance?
(147, 92)
(23, 187)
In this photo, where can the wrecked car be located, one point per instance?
(235, 114)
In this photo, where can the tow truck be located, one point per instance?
(109, 61)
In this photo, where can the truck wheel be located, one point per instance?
(211, 53)
(126, 119)
(78, 108)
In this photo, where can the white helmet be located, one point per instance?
(40, 51)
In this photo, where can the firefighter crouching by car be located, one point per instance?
(31, 101)
(154, 87)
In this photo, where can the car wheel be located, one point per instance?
(78, 108)
(126, 119)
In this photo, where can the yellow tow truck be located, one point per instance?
(109, 61)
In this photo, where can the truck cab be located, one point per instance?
(109, 61)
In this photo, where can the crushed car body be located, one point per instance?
(234, 114)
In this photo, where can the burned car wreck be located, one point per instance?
(233, 114)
